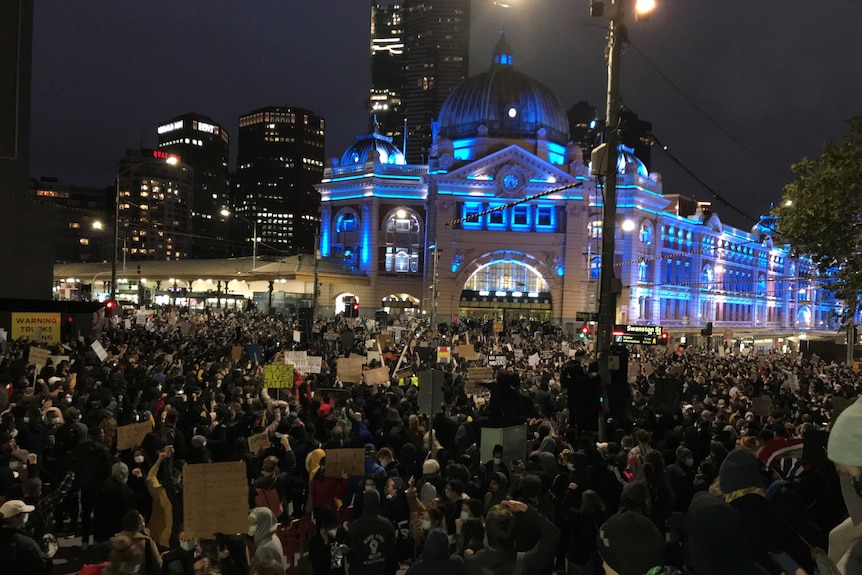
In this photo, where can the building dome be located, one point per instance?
(372, 147)
(508, 103)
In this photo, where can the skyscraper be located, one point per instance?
(387, 58)
(280, 158)
(437, 47)
(20, 216)
(203, 145)
(155, 197)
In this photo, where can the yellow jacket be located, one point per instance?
(162, 517)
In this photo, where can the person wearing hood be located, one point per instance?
(499, 556)
(116, 499)
(267, 546)
(544, 459)
(494, 466)
(680, 475)
(717, 544)
(631, 544)
(498, 490)
(372, 540)
(323, 491)
(844, 449)
(436, 557)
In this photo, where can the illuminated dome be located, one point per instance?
(508, 103)
(372, 147)
(627, 162)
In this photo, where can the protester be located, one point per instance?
(21, 554)
(373, 549)
(267, 546)
(436, 557)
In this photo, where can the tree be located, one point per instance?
(820, 217)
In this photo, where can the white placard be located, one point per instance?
(100, 351)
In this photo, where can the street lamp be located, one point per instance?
(225, 213)
(608, 286)
(628, 226)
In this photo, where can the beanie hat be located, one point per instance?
(324, 410)
(198, 441)
(430, 467)
(740, 470)
(630, 543)
(845, 439)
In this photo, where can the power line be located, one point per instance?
(476, 216)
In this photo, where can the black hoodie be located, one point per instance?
(436, 558)
(372, 540)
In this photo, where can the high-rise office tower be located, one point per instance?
(637, 135)
(20, 216)
(387, 59)
(203, 145)
(585, 128)
(436, 59)
(279, 159)
(155, 207)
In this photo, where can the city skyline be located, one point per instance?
(767, 78)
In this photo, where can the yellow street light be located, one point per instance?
(97, 225)
(644, 7)
(628, 225)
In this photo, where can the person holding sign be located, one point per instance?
(323, 491)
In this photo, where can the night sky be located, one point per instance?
(778, 76)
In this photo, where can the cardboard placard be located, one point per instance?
(254, 353)
(404, 374)
(372, 355)
(302, 362)
(498, 327)
(350, 461)
(258, 442)
(477, 377)
(349, 369)
(38, 356)
(236, 353)
(377, 376)
(278, 376)
(215, 499)
(385, 340)
(100, 351)
(132, 435)
(533, 360)
(466, 352)
(648, 369)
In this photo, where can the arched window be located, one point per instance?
(646, 233)
(596, 267)
(506, 275)
(706, 276)
(643, 271)
(345, 240)
(403, 241)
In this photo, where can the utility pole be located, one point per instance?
(607, 288)
(436, 253)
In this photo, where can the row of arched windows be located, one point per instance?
(403, 233)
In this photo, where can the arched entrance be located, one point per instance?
(343, 301)
(401, 303)
(506, 285)
(803, 317)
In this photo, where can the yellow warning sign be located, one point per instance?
(40, 327)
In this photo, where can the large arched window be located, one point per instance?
(507, 276)
(345, 240)
(403, 232)
(646, 233)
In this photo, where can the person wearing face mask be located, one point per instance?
(132, 549)
(495, 465)
(116, 498)
(267, 546)
(394, 507)
(844, 449)
(20, 553)
(327, 547)
(680, 475)
(181, 559)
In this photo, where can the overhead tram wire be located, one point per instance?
(476, 216)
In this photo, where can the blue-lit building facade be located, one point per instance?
(502, 137)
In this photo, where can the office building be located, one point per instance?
(84, 222)
(504, 138)
(20, 214)
(155, 207)
(279, 160)
(585, 127)
(387, 59)
(437, 47)
(203, 145)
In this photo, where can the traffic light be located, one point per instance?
(110, 305)
(586, 333)
(664, 338)
(354, 310)
(707, 331)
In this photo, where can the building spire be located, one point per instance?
(503, 51)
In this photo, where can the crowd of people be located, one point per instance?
(710, 461)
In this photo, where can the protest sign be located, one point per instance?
(349, 369)
(302, 362)
(370, 343)
(546, 354)
(376, 376)
(278, 376)
(498, 360)
(533, 360)
(297, 336)
(215, 499)
(100, 351)
(466, 352)
(236, 353)
(254, 353)
(185, 328)
(38, 356)
(372, 356)
(385, 340)
(444, 354)
(38, 327)
(132, 435)
(128, 324)
(404, 374)
(258, 442)
(350, 461)
(648, 369)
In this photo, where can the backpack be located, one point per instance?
(270, 499)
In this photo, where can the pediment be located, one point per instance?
(512, 172)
